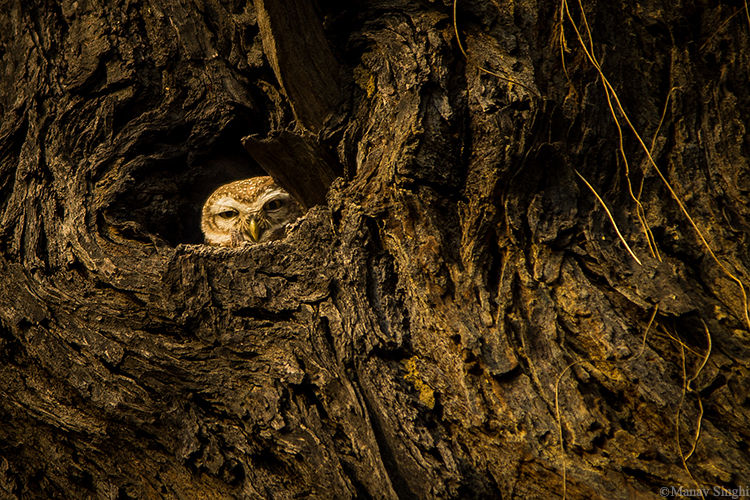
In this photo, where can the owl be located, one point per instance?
(248, 211)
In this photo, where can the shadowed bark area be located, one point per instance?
(455, 302)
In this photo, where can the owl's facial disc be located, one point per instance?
(248, 211)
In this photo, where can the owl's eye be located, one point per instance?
(274, 205)
(228, 214)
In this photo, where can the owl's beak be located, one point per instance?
(254, 230)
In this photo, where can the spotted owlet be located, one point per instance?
(248, 211)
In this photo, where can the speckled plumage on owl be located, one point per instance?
(249, 211)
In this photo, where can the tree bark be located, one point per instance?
(456, 316)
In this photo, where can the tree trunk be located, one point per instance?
(457, 315)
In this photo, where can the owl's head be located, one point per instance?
(248, 211)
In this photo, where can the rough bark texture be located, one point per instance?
(418, 335)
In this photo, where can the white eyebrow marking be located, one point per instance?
(225, 203)
(272, 194)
